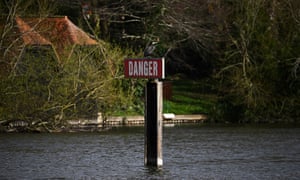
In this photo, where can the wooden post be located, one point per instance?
(153, 124)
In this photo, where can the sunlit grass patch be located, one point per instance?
(190, 97)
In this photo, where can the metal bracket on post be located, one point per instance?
(153, 123)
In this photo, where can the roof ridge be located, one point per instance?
(72, 28)
(29, 35)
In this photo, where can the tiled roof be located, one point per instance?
(30, 36)
(57, 31)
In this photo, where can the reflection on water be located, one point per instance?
(189, 152)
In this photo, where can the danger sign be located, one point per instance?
(144, 68)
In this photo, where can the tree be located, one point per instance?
(187, 28)
(191, 30)
(127, 23)
(256, 64)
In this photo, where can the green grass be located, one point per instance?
(190, 97)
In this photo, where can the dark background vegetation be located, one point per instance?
(236, 60)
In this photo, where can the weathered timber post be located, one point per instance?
(153, 124)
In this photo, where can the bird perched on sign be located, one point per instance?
(149, 50)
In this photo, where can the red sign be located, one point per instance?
(145, 68)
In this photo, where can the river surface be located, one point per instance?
(189, 152)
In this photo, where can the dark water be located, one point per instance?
(189, 152)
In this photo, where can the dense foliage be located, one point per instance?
(247, 48)
(43, 91)
(258, 67)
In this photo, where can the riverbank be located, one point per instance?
(112, 122)
(103, 124)
(169, 120)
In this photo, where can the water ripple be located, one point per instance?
(192, 152)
